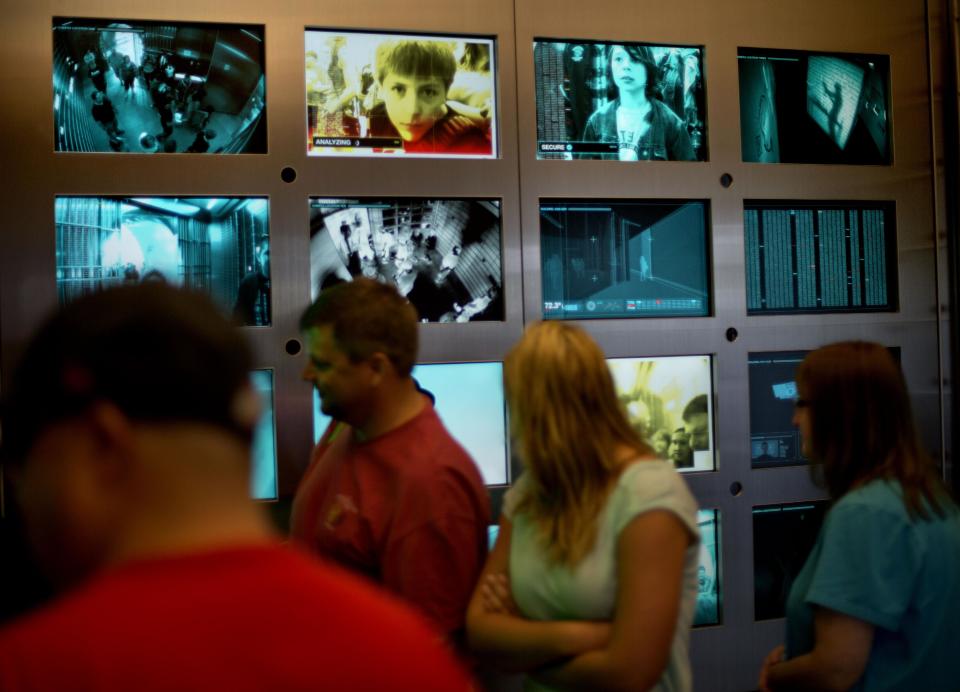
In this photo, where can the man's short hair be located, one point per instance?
(158, 353)
(697, 404)
(367, 317)
(416, 58)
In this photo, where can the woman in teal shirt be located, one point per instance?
(592, 583)
(877, 604)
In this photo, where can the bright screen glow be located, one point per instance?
(442, 254)
(669, 400)
(263, 471)
(144, 87)
(469, 400)
(400, 94)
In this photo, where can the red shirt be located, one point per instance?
(408, 509)
(242, 619)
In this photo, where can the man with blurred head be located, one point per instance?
(696, 422)
(389, 493)
(128, 424)
(679, 451)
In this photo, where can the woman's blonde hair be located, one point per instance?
(569, 423)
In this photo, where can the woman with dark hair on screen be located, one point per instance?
(637, 120)
(877, 604)
(592, 582)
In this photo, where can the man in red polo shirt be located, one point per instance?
(389, 493)
(128, 426)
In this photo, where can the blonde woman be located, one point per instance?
(592, 583)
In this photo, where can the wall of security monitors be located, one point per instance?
(502, 163)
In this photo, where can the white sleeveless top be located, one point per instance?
(546, 591)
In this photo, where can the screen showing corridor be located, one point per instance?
(612, 259)
(151, 87)
(803, 107)
(217, 245)
(820, 256)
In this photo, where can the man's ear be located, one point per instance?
(113, 434)
(380, 365)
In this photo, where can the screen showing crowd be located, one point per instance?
(613, 259)
(804, 107)
(263, 452)
(146, 87)
(820, 256)
(619, 101)
(444, 255)
(372, 94)
(669, 401)
(218, 245)
(468, 397)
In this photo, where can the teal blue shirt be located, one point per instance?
(875, 564)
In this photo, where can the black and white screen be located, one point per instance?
(820, 256)
(783, 536)
(218, 245)
(803, 107)
(444, 255)
(619, 101)
(612, 259)
(145, 87)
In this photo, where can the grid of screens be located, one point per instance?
(803, 107)
(614, 259)
(783, 536)
(408, 94)
(146, 87)
(219, 245)
(444, 255)
(708, 570)
(669, 400)
(627, 102)
(263, 470)
(817, 256)
(468, 397)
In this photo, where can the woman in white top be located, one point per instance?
(592, 583)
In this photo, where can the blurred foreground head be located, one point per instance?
(129, 408)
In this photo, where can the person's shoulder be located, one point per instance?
(865, 504)
(654, 482)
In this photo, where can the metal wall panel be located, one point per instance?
(726, 657)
